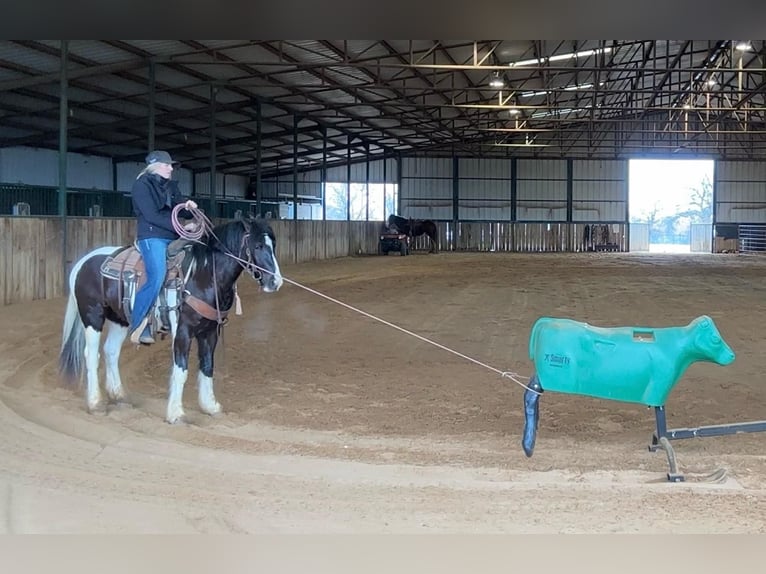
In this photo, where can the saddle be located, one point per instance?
(127, 266)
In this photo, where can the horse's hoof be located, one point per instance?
(122, 403)
(179, 420)
(99, 409)
(214, 412)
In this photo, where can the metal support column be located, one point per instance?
(570, 204)
(213, 203)
(295, 170)
(324, 173)
(367, 181)
(258, 158)
(455, 201)
(152, 96)
(514, 197)
(348, 178)
(399, 178)
(295, 189)
(63, 126)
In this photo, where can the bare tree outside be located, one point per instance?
(382, 201)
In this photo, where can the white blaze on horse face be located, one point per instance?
(277, 280)
(175, 410)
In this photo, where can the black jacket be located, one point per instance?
(153, 200)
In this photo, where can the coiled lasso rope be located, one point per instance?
(194, 229)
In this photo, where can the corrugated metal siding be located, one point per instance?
(202, 184)
(426, 191)
(701, 237)
(89, 172)
(359, 172)
(31, 166)
(639, 237)
(599, 190)
(226, 185)
(600, 169)
(126, 174)
(426, 167)
(740, 192)
(484, 189)
(433, 208)
(236, 185)
(541, 190)
(284, 189)
(595, 190)
(485, 168)
(543, 169)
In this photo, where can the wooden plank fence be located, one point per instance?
(31, 247)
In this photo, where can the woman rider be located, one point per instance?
(154, 196)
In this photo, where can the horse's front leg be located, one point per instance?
(206, 343)
(178, 375)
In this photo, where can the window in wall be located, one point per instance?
(382, 201)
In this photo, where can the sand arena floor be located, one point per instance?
(335, 422)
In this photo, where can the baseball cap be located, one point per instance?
(159, 156)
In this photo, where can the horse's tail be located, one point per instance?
(72, 343)
(71, 357)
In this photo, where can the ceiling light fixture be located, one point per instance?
(497, 81)
(559, 57)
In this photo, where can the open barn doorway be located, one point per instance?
(671, 205)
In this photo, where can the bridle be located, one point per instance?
(249, 264)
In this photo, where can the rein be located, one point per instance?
(194, 231)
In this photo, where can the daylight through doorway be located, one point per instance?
(671, 205)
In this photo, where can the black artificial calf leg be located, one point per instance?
(531, 415)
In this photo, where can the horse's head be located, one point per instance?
(259, 249)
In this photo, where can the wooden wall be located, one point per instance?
(32, 264)
(518, 237)
(32, 260)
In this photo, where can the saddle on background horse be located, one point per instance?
(127, 267)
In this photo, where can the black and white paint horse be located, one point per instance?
(415, 228)
(211, 269)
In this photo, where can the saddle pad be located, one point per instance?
(123, 264)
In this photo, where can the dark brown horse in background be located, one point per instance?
(415, 228)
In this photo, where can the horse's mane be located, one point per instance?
(225, 236)
(228, 236)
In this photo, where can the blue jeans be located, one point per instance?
(154, 252)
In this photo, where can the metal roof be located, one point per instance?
(574, 98)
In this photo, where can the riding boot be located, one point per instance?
(164, 326)
(143, 333)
